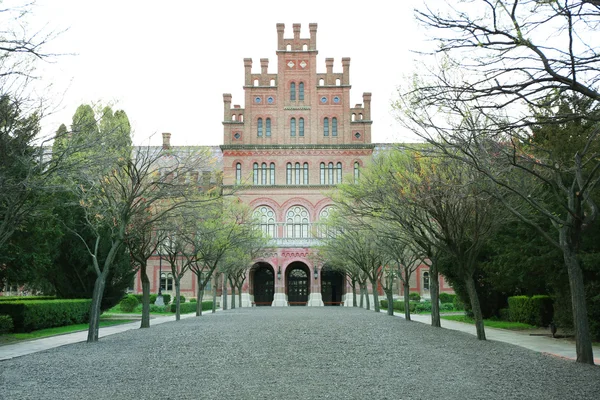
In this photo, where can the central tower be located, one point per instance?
(294, 141)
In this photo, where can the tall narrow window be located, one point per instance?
(297, 174)
(255, 174)
(338, 170)
(293, 127)
(268, 128)
(272, 180)
(305, 173)
(301, 127)
(288, 174)
(263, 175)
(238, 173)
(356, 171)
(293, 91)
(334, 126)
(330, 173)
(322, 173)
(426, 280)
(259, 127)
(301, 91)
(326, 126)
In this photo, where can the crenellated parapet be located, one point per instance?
(330, 78)
(297, 43)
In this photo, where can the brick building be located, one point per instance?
(296, 138)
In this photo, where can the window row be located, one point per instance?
(296, 222)
(263, 128)
(300, 91)
(296, 173)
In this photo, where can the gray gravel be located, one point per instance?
(295, 353)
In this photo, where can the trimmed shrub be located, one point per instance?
(536, 310)
(153, 298)
(166, 298)
(383, 303)
(29, 316)
(447, 298)
(139, 297)
(423, 306)
(543, 310)
(155, 308)
(414, 296)
(4, 299)
(129, 303)
(504, 314)
(193, 300)
(6, 324)
(181, 299)
(447, 307)
(458, 304)
(191, 307)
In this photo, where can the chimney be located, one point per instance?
(166, 140)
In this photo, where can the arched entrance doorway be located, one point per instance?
(298, 283)
(332, 286)
(264, 284)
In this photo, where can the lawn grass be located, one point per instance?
(15, 337)
(137, 311)
(490, 322)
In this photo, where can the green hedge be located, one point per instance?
(129, 303)
(153, 298)
(6, 324)
(536, 310)
(457, 303)
(191, 307)
(181, 299)
(193, 300)
(414, 296)
(416, 306)
(29, 316)
(4, 299)
(166, 298)
(447, 298)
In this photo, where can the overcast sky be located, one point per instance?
(167, 64)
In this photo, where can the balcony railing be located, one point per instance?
(295, 242)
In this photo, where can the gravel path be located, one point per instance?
(295, 353)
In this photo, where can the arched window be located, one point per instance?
(305, 173)
(304, 47)
(288, 174)
(321, 82)
(293, 91)
(297, 173)
(264, 172)
(268, 127)
(255, 173)
(301, 91)
(334, 126)
(326, 126)
(296, 221)
(259, 127)
(426, 280)
(356, 171)
(233, 117)
(338, 173)
(301, 126)
(323, 173)
(256, 82)
(353, 117)
(360, 116)
(241, 118)
(330, 173)
(288, 47)
(272, 82)
(272, 180)
(238, 173)
(323, 215)
(265, 216)
(166, 281)
(293, 127)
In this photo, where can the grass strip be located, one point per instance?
(492, 323)
(14, 337)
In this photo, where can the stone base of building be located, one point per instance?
(280, 300)
(315, 300)
(247, 300)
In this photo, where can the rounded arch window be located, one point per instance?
(265, 217)
(426, 280)
(297, 222)
(325, 230)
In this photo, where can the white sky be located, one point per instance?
(167, 64)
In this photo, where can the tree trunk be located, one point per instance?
(362, 294)
(367, 300)
(199, 301)
(434, 290)
(232, 297)
(583, 341)
(240, 296)
(390, 299)
(177, 300)
(214, 294)
(224, 292)
(476, 307)
(406, 287)
(95, 309)
(376, 305)
(145, 297)
(354, 303)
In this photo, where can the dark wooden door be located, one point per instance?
(297, 287)
(264, 286)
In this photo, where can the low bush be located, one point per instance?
(536, 310)
(423, 307)
(414, 296)
(447, 298)
(191, 307)
(139, 297)
(6, 324)
(193, 300)
(153, 298)
(458, 304)
(155, 308)
(447, 307)
(181, 299)
(504, 314)
(166, 298)
(129, 303)
(29, 316)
